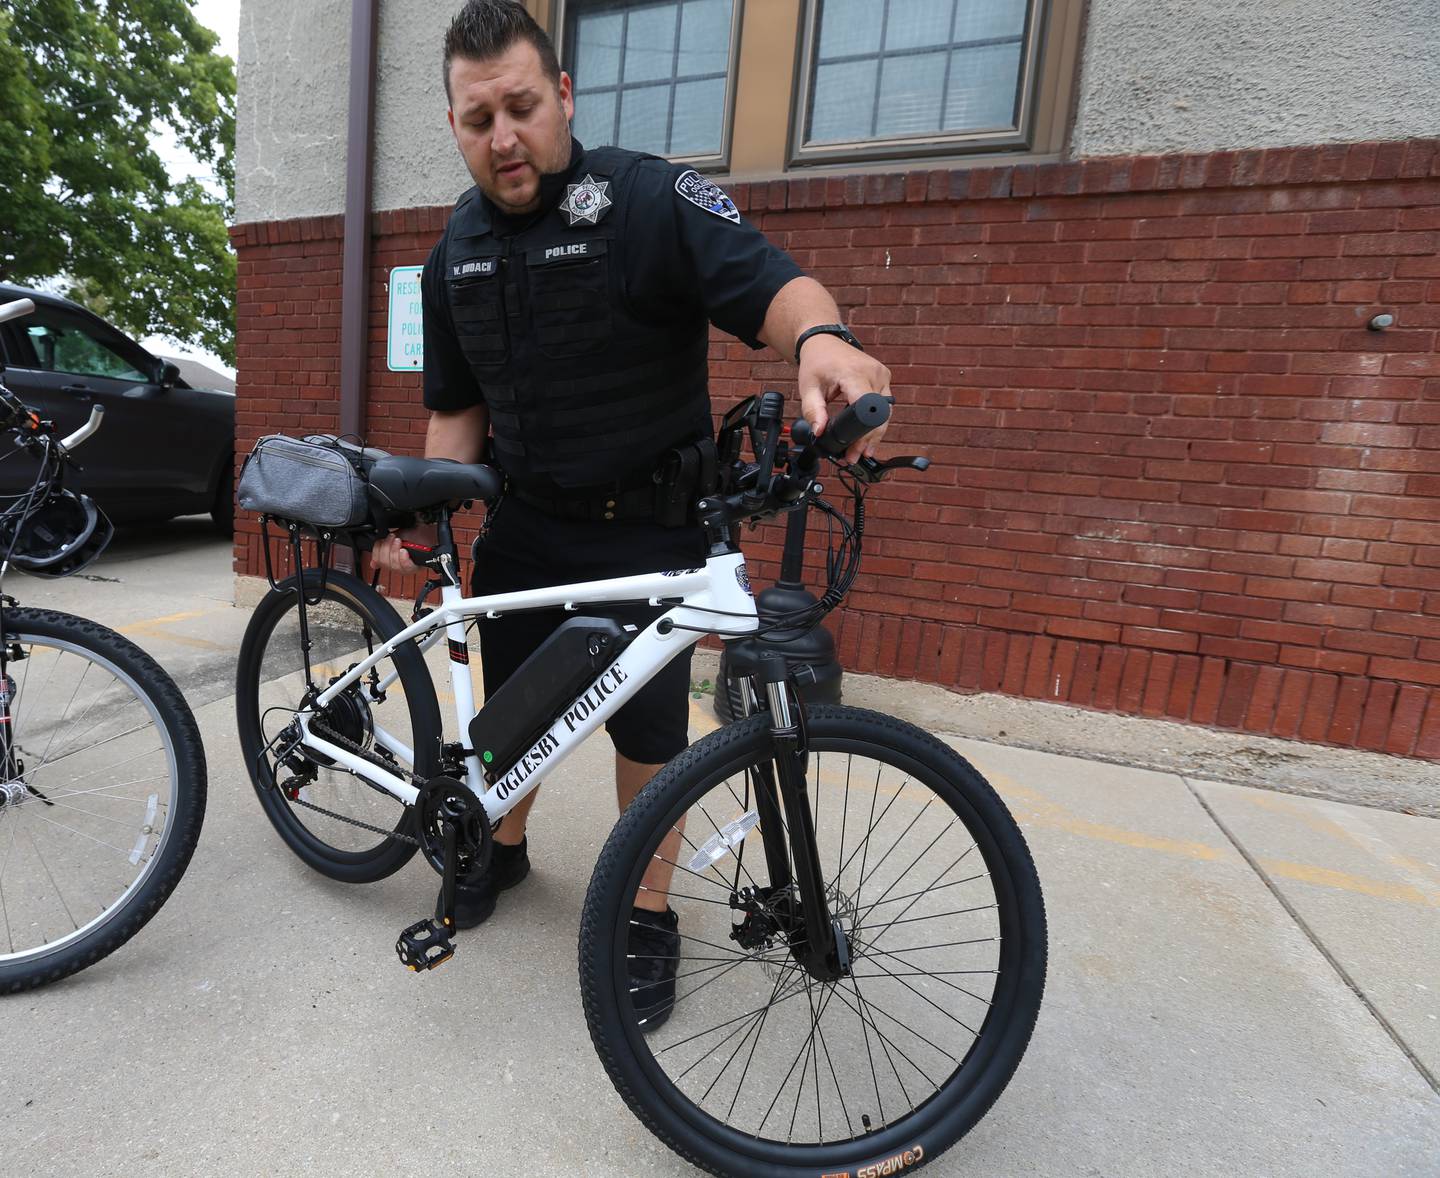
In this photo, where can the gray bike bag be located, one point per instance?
(317, 480)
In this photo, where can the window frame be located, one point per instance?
(563, 25)
(1037, 41)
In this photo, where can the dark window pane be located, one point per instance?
(911, 90)
(594, 123)
(916, 24)
(699, 116)
(650, 43)
(596, 54)
(983, 88)
(844, 101)
(704, 38)
(850, 26)
(644, 116)
(62, 347)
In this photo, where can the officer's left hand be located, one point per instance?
(830, 369)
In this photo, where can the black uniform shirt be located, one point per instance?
(687, 251)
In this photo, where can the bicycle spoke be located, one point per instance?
(50, 821)
(938, 975)
(885, 1044)
(925, 997)
(30, 834)
(896, 919)
(91, 814)
(726, 1023)
(4, 909)
(954, 883)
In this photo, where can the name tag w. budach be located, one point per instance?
(476, 268)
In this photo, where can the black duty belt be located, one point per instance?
(602, 507)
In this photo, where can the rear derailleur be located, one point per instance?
(455, 835)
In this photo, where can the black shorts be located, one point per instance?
(527, 549)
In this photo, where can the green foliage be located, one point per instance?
(82, 85)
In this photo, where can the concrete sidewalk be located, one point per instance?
(1241, 982)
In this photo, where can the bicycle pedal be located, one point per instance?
(424, 945)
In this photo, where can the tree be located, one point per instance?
(84, 84)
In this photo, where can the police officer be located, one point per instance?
(567, 311)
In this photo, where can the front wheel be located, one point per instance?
(760, 1068)
(102, 794)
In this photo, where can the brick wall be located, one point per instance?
(1173, 472)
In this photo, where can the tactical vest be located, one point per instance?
(581, 392)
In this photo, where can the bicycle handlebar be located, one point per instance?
(853, 422)
(15, 309)
(70, 441)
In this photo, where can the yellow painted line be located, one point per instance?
(178, 639)
(147, 623)
(1375, 847)
(1035, 807)
(1344, 881)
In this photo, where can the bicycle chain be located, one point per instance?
(351, 747)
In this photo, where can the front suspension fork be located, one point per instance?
(824, 956)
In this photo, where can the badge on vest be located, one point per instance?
(710, 197)
(585, 203)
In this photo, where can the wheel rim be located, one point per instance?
(341, 636)
(93, 743)
(783, 1062)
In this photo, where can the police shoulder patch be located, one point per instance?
(710, 197)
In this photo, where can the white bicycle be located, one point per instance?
(862, 930)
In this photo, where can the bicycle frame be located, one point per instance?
(719, 589)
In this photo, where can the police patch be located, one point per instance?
(710, 197)
(586, 202)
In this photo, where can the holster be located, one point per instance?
(685, 474)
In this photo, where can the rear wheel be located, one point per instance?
(101, 798)
(762, 1069)
(336, 823)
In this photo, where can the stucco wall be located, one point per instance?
(416, 162)
(1177, 75)
(291, 109)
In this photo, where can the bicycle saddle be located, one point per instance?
(401, 483)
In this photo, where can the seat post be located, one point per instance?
(446, 553)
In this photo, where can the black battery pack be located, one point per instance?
(528, 702)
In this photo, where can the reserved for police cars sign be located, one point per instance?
(405, 340)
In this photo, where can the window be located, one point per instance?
(653, 75)
(915, 77)
(61, 344)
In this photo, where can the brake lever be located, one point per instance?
(867, 470)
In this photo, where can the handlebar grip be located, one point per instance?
(853, 422)
(16, 308)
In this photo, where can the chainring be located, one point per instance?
(444, 794)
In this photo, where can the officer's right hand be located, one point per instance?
(390, 553)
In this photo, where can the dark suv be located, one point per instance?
(164, 448)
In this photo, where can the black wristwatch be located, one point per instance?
(826, 329)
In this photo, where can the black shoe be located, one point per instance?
(654, 956)
(474, 902)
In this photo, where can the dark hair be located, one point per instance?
(487, 28)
